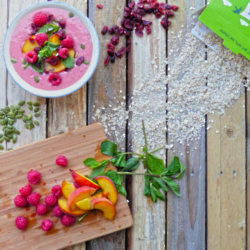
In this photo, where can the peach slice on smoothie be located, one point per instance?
(83, 180)
(67, 188)
(85, 204)
(29, 45)
(80, 194)
(105, 205)
(63, 204)
(108, 187)
(55, 39)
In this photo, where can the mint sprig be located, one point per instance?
(49, 28)
(158, 177)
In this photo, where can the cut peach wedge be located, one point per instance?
(105, 205)
(63, 204)
(108, 187)
(83, 180)
(29, 46)
(55, 68)
(55, 39)
(67, 188)
(85, 204)
(80, 194)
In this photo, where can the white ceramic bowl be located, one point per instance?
(52, 93)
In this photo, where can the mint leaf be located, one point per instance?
(153, 192)
(161, 183)
(156, 164)
(47, 50)
(49, 28)
(122, 190)
(132, 164)
(98, 171)
(175, 167)
(173, 185)
(109, 148)
(38, 67)
(69, 62)
(159, 194)
(117, 179)
(119, 161)
(90, 162)
(147, 186)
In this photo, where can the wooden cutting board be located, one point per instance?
(77, 145)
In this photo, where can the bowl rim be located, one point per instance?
(52, 93)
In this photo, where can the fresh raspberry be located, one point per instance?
(31, 57)
(62, 23)
(20, 201)
(57, 211)
(34, 199)
(51, 200)
(21, 222)
(56, 190)
(68, 220)
(55, 79)
(40, 19)
(68, 42)
(63, 53)
(41, 209)
(47, 225)
(34, 177)
(62, 161)
(41, 38)
(26, 190)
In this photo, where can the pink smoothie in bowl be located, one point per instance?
(51, 49)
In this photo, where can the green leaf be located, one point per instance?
(36, 68)
(49, 28)
(121, 189)
(69, 62)
(83, 216)
(173, 185)
(159, 194)
(117, 179)
(47, 50)
(152, 192)
(156, 164)
(161, 183)
(119, 161)
(132, 164)
(109, 148)
(91, 162)
(175, 167)
(98, 171)
(147, 186)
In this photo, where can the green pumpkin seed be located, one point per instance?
(1, 147)
(36, 104)
(37, 114)
(36, 109)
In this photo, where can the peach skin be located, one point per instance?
(63, 204)
(105, 205)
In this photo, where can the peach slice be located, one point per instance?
(55, 39)
(67, 188)
(63, 204)
(108, 187)
(105, 205)
(85, 204)
(83, 180)
(29, 46)
(80, 194)
(55, 68)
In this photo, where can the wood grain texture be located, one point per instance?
(16, 94)
(186, 215)
(107, 89)
(226, 178)
(147, 56)
(76, 145)
(67, 113)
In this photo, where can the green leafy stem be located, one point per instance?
(158, 177)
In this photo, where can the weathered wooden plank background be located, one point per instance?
(213, 212)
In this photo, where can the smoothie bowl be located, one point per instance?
(51, 49)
